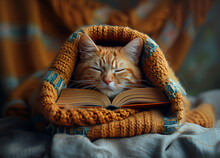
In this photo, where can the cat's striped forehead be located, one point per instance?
(109, 56)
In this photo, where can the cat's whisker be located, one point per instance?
(89, 86)
(73, 85)
(76, 86)
(83, 81)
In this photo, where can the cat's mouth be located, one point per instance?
(110, 87)
(107, 89)
(111, 93)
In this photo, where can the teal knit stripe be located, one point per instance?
(170, 124)
(174, 87)
(73, 36)
(52, 129)
(148, 49)
(55, 79)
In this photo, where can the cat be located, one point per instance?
(109, 70)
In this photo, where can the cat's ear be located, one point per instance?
(133, 49)
(86, 46)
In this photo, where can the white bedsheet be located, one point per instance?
(18, 138)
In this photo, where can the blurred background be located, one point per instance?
(200, 70)
(32, 32)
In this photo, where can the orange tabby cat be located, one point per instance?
(109, 70)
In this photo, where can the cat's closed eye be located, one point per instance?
(96, 69)
(119, 70)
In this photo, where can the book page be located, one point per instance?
(139, 95)
(80, 97)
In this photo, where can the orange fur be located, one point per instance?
(109, 70)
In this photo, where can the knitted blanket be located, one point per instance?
(96, 123)
(190, 140)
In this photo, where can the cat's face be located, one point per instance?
(109, 70)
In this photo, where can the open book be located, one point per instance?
(136, 97)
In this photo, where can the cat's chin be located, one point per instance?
(111, 93)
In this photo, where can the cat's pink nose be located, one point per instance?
(107, 81)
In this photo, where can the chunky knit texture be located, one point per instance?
(100, 122)
(154, 66)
